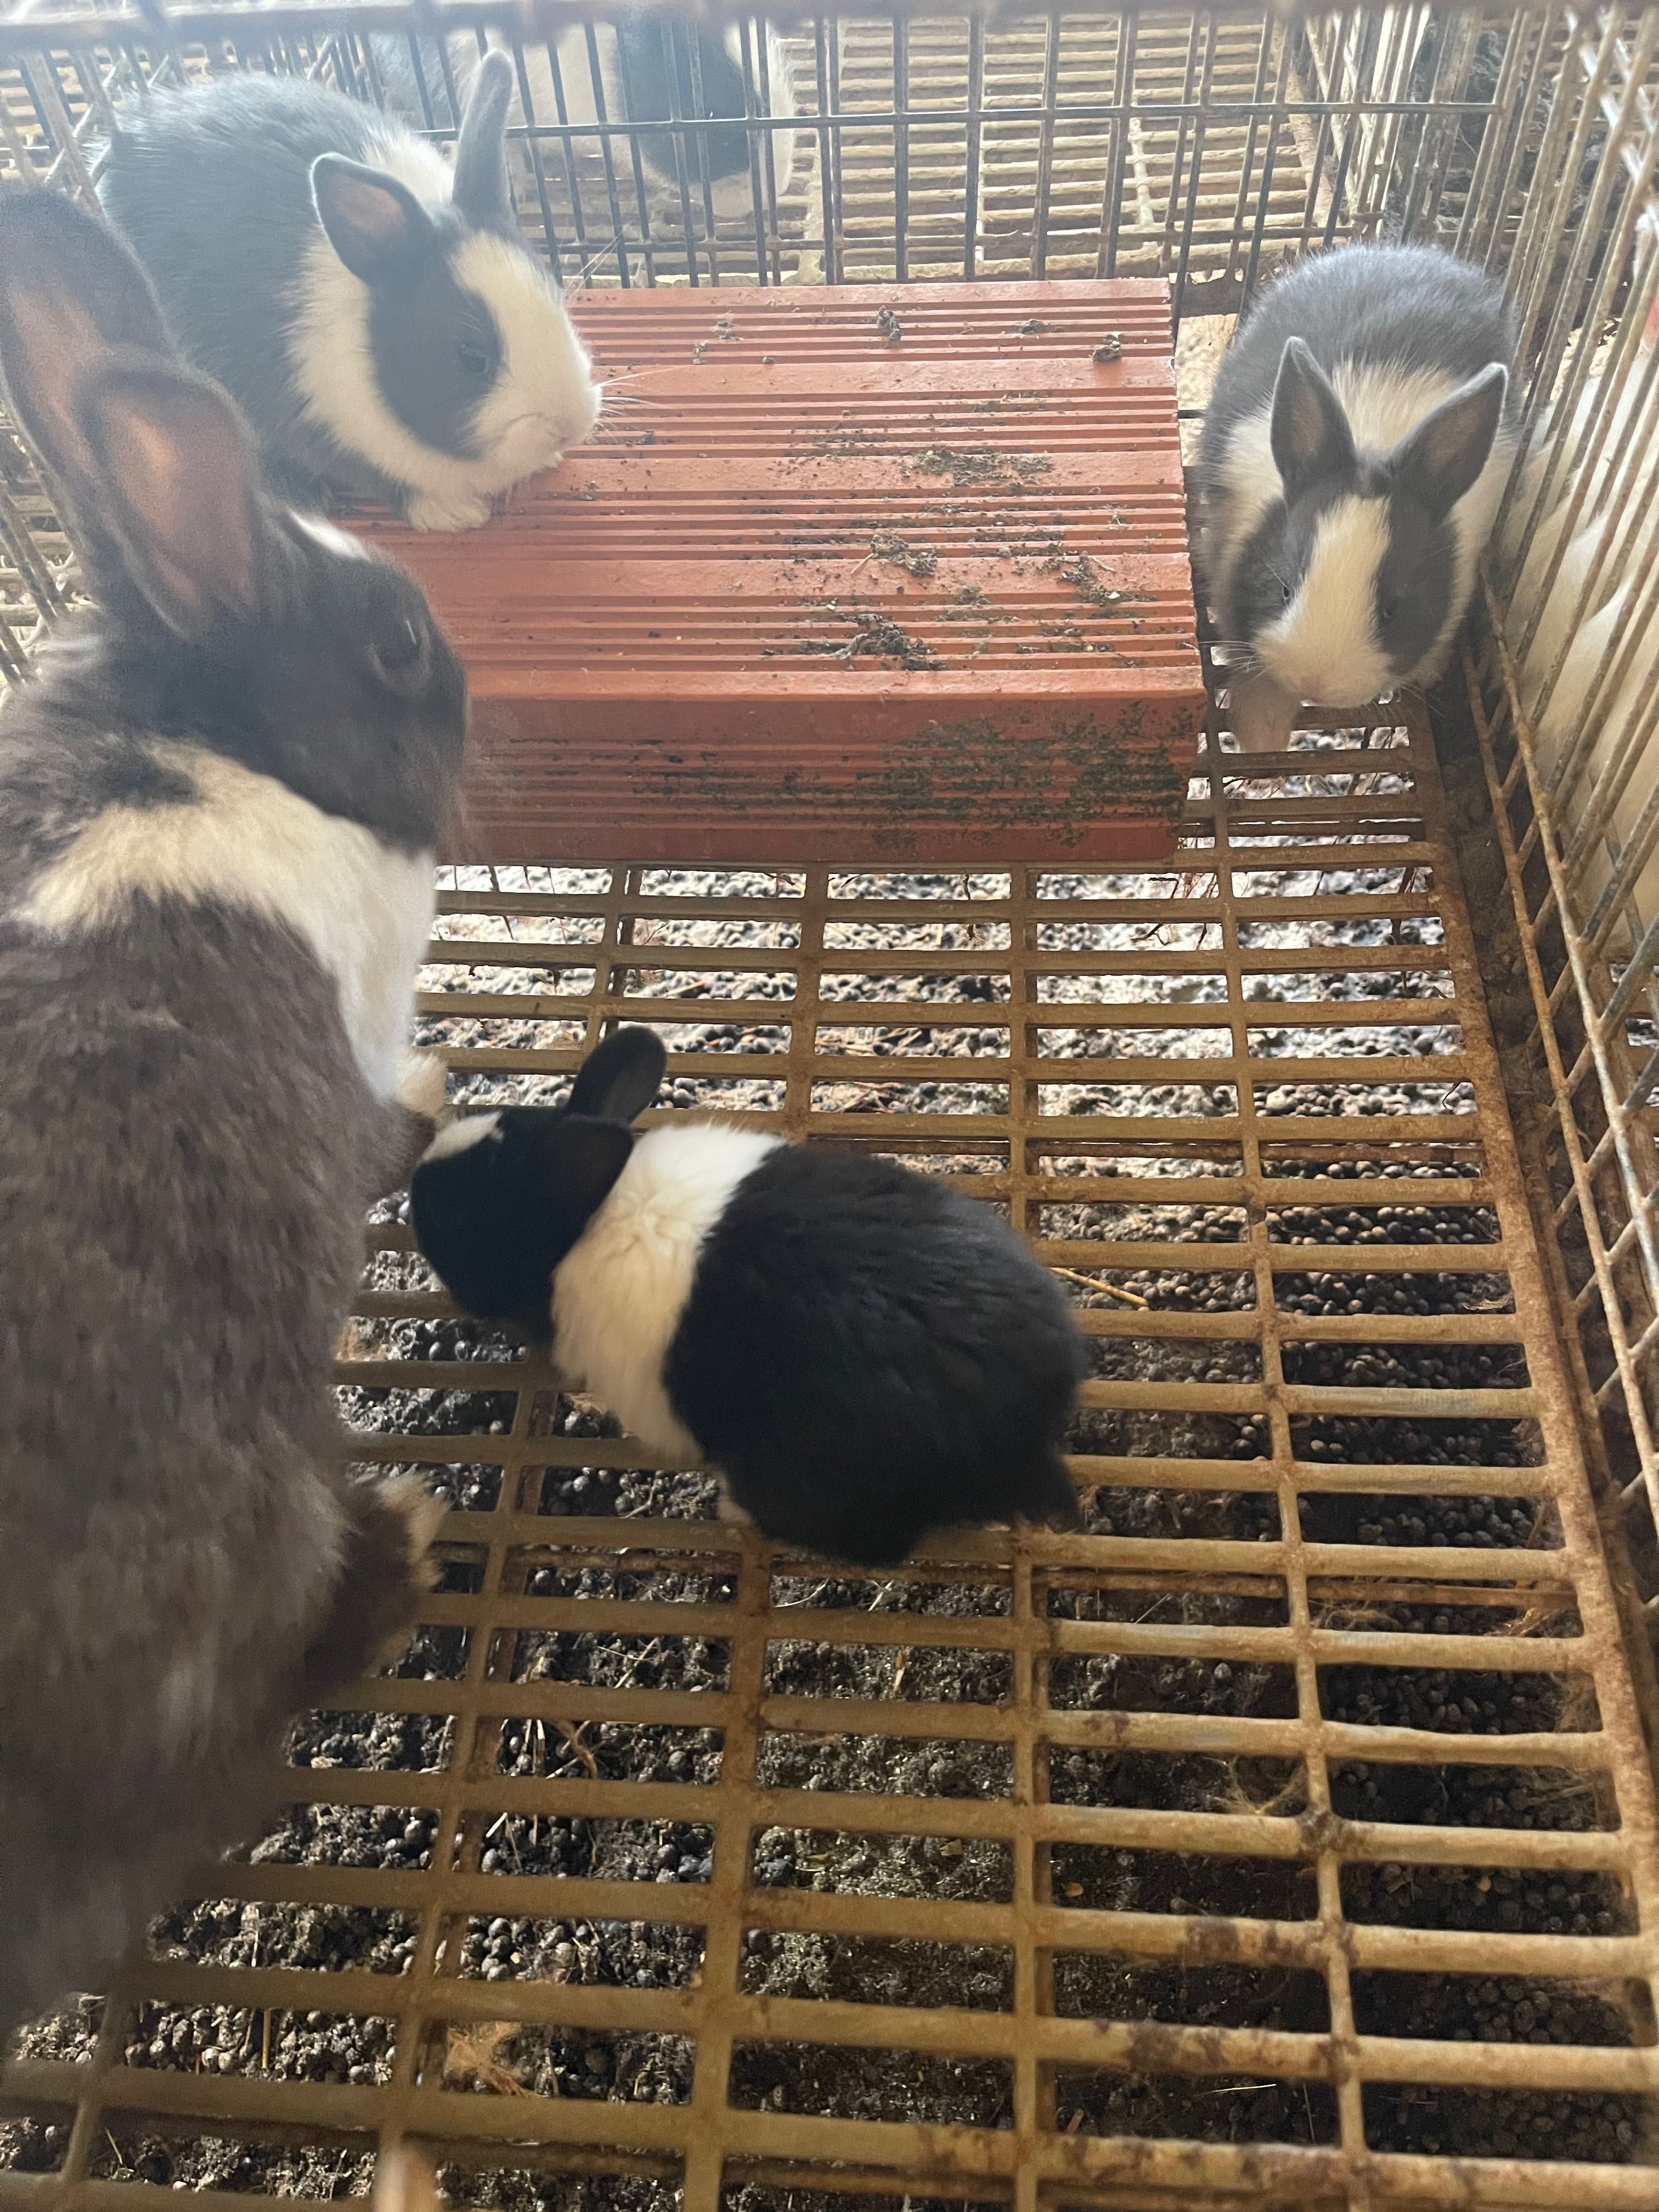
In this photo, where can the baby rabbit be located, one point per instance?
(1354, 454)
(388, 337)
(634, 81)
(863, 1353)
(219, 806)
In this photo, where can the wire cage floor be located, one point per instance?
(1229, 1851)
(1286, 1835)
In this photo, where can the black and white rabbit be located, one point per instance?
(377, 317)
(219, 804)
(637, 84)
(862, 1353)
(1354, 454)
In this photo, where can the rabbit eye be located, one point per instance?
(1386, 612)
(473, 357)
(1289, 593)
(400, 654)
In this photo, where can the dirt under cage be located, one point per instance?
(1286, 1835)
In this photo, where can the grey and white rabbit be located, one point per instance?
(1354, 454)
(645, 76)
(863, 1353)
(377, 317)
(219, 806)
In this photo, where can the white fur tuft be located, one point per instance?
(248, 842)
(460, 1136)
(544, 398)
(618, 1295)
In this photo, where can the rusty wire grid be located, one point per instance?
(1287, 1834)
(1126, 1780)
(1564, 678)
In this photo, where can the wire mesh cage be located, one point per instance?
(1288, 1833)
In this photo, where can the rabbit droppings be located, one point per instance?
(1355, 451)
(220, 800)
(377, 317)
(862, 1353)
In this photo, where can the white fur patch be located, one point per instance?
(414, 162)
(618, 1294)
(324, 533)
(544, 398)
(364, 909)
(460, 1136)
(1325, 648)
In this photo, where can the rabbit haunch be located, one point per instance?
(363, 908)
(645, 77)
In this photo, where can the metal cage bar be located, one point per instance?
(1338, 1505)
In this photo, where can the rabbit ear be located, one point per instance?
(376, 225)
(481, 190)
(71, 294)
(178, 486)
(620, 1078)
(1447, 451)
(1311, 439)
(578, 1161)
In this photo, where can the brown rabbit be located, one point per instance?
(219, 804)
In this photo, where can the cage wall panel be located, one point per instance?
(897, 573)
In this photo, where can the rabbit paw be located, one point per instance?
(421, 1086)
(727, 1509)
(433, 510)
(1261, 715)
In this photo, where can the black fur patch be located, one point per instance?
(496, 1217)
(867, 1354)
(645, 47)
(1414, 585)
(436, 346)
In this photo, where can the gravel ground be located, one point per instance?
(889, 2085)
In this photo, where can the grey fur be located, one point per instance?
(186, 1146)
(213, 188)
(1409, 308)
(634, 50)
